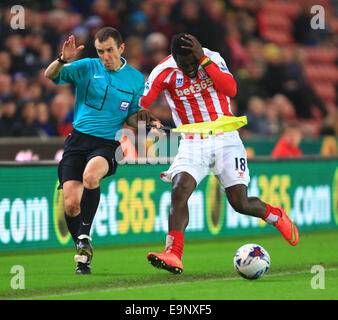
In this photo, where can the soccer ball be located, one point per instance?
(251, 261)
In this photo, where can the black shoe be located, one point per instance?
(83, 268)
(84, 255)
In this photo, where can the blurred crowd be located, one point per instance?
(267, 56)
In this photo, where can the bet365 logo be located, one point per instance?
(195, 88)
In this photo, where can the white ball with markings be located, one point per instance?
(251, 261)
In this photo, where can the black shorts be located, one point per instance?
(79, 148)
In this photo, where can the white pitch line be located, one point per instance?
(282, 274)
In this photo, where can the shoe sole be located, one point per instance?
(160, 264)
(83, 272)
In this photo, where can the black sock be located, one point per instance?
(73, 224)
(89, 204)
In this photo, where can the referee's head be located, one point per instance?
(109, 47)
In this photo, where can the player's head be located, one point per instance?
(109, 47)
(184, 58)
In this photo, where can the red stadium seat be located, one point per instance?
(277, 21)
(321, 71)
(325, 90)
(290, 9)
(321, 54)
(277, 36)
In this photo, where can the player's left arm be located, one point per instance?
(215, 67)
(136, 113)
(218, 72)
(151, 91)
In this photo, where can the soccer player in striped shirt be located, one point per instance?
(198, 87)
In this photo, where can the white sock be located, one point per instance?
(169, 242)
(271, 218)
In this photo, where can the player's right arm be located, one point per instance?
(156, 83)
(69, 52)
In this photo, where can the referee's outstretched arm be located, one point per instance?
(69, 52)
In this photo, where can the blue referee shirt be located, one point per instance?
(104, 98)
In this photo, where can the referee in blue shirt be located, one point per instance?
(108, 91)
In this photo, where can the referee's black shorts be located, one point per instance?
(79, 148)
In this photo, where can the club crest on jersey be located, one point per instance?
(202, 74)
(124, 105)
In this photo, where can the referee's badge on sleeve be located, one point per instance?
(124, 105)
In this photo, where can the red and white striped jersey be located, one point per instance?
(192, 100)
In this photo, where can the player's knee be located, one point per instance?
(72, 207)
(180, 192)
(90, 180)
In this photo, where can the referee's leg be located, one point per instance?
(95, 170)
(72, 193)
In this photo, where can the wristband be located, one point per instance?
(61, 60)
(205, 61)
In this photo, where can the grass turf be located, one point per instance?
(122, 272)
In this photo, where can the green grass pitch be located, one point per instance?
(123, 273)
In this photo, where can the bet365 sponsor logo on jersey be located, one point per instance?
(195, 88)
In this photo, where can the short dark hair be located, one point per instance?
(176, 45)
(109, 32)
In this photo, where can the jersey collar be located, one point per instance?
(123, 65)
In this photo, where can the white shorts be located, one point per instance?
(223, 155)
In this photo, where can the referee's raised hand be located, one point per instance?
(69, 49)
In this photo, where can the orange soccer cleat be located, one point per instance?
(287, 228)
(166, 260)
